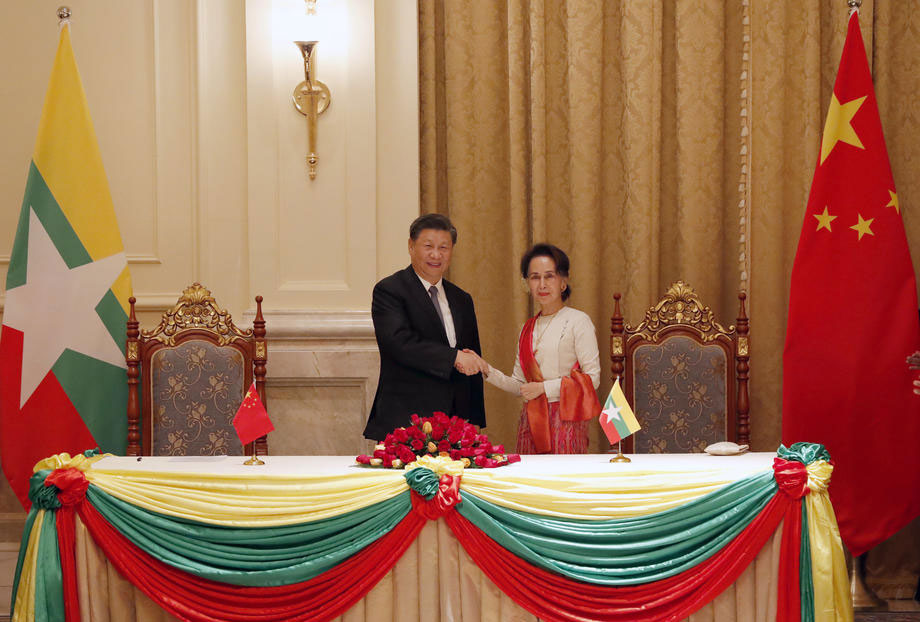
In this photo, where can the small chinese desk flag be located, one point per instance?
(617, 418)
(251, 420)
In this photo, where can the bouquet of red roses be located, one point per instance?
(438, 435)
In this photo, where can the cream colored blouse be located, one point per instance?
(558, 341)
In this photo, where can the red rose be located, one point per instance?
(499, 449)
(513, 458)
(415, 420)
(455, 454)
(362, 459)
(416, 433)
(405, 454)
(488, 463)
(444, 445)
(467, 452)
(400, 435)
(454, 436)
(479, 460)
(417, 444)
(437, 432)
(380, 453)
(482, 438)
(441, 419)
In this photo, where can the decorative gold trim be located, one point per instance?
(196, 309)
(132, 351)
(680, 306)
(617, 345)
(742, 346)
(260, 349)
(744, 184)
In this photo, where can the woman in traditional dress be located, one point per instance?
(557, 368)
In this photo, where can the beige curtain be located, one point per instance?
(614, 130)
(610, 129)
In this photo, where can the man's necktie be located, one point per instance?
(433, 292)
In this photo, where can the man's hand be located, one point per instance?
(469, 363)
(531, 390)
(913, 361)
(483, 366)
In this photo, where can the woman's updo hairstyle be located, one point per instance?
(553, 252)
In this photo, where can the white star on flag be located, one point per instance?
(612, 412)
(35, 309)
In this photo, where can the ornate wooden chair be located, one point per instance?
(684, 374)
(194, 369)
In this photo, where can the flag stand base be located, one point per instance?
(620, 457)
(254, 459)
(861, 595)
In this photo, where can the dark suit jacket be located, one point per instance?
(417, 374)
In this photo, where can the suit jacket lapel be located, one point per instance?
(423, 300)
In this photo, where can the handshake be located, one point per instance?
(470, 363)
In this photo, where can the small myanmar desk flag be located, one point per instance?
(63, 380)
(617, 418)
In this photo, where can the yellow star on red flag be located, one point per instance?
(862, 226)
(894, 201)
(839, 125)
(824, 220)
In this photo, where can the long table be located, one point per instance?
(559, 537)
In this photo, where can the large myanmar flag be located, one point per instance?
(853, 319)
(63, 384)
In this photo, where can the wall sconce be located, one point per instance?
(311, 98)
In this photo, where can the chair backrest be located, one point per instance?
(685, 375)
(188, 376)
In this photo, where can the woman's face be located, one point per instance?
(546, 286)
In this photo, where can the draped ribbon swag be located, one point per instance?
(327, 548)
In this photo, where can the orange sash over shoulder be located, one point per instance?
(577, 397)
(538, 409)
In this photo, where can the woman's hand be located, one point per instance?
(483, 365)
(531, 390)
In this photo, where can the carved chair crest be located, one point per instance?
(196, 308)
(680, 306)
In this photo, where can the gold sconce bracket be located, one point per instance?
(311, 98)
(300, 97)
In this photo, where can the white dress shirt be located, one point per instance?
(559, 341)
(445, 309)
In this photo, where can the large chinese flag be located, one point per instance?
(853, 320)
(63, 380)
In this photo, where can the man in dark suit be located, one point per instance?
(427, 335)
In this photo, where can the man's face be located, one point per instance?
(430, 253)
